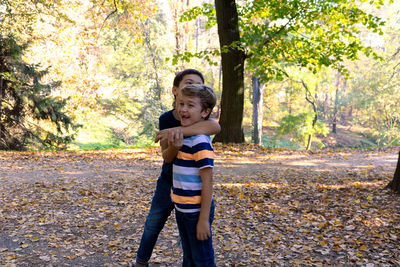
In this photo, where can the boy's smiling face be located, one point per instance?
(190, 110)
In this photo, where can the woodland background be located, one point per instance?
(89, 76)
(108, 68)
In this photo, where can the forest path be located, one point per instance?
(274, 207)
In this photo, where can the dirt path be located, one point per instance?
(274, 207)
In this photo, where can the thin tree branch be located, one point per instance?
(109, 15)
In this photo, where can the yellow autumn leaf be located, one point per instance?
(323, 243)
(11, 257)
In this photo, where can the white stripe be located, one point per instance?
(201, 139)
(186, 170)
(194, 140)
(187, 186)
(207, 166)
(187, 210)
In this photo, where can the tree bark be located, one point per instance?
(315, 109)
(309, 141)
(232, 61)
(336, 105)
(395, 183)
(257, 110)
(335, 112)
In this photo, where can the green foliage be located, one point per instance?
(274, 141)
(206, 10)
(309, 34)
(112, 68)
(209, 56)
(299, 127)
(137, 82)
(29, 116)
(380, 109)
(19, 17)
(375, 91)
(109, 132)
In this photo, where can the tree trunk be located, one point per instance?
(313, 103)
(257, 110)
(335, 112)
(154, 61)
(309, 141)
(336, 105)
(2, 96)
(395, 183)
(232, 99)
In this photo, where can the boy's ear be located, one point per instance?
(175, 90)
(205, 112)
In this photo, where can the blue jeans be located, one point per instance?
(161, 208)
(195, 252)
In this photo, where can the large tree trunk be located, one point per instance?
(257, 110)
(232, 98)
(395, 183)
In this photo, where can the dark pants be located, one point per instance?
(195, 252)
(161, 208)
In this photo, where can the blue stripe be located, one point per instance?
(188, 206)
(187, 178)
(205, 162)
(201, 146)
(186, 149)
(186, 193)
(184, 163)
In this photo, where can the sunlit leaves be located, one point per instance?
(306, 33)
(274, 207)
(124, 14)
(204, 10)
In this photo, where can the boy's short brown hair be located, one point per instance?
(179, 76)
(208, 99)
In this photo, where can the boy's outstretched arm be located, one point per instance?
(203, 225)
(208, 127)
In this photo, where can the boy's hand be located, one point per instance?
(162, 135)
(203, 230)
(175, 138)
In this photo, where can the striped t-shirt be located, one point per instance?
(195, 154)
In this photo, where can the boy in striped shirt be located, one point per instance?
(192, 176)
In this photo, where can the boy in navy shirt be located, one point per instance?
(162, 206)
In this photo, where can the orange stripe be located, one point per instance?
(204, 154)
(185, 200)
(184, 156)
(196, 156)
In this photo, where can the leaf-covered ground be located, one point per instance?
(273, 208)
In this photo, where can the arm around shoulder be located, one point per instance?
(208, 127)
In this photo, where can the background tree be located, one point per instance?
(110, 57)
(26, 105)
(232, 59)
(258, 103)
(305, 34)
(395, 183)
